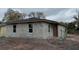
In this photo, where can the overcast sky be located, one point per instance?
(57, 14)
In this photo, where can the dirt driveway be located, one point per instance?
(71, 43)
(73, 37)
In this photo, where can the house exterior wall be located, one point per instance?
(61, 32)
(40, 31)
(2, 31)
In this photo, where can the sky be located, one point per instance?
(56, 14)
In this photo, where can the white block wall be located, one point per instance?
(61, 32)
(40, 30)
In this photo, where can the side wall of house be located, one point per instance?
(2, 31)
(40, 30)
(61, 32)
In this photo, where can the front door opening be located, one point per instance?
(55, 30)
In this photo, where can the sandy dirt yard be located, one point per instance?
(71, 43)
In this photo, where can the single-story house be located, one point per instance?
(33, 28)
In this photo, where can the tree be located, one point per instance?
(76, 17)
(13, 15)
(71, 27)
(38, 15)
(32, 15)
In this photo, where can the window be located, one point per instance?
(14, 28)
(49, 28)
(30, 28)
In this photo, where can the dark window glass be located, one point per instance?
(14, 28)
(30, 28)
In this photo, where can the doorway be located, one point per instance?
(55, 30)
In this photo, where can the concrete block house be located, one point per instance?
(32, 28)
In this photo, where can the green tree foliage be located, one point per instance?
(71, 27)
(13, 15)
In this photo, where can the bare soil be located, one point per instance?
(71, 43)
